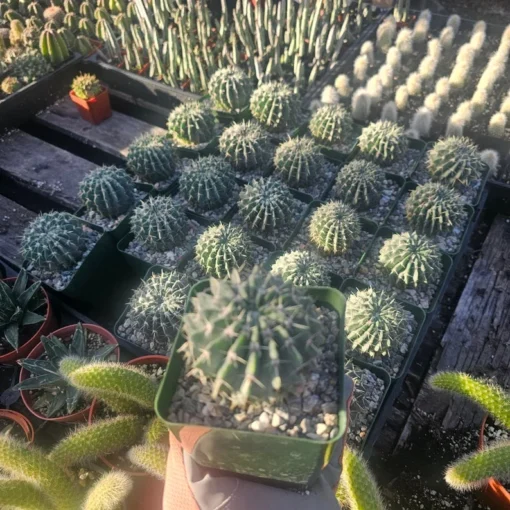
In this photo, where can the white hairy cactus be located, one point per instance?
(459, 76)
(401, 97)
(394, 58)
(433, 102)
(446, 37)
(443, 87)
(434, 48)
(343, 86)
(361, 68)
(330, 95)
(421, 30)
(505, 106)
(465, 54)
(361, 102)
(422, 121)
(479, 101)
(479, 26)
(465, 111)
(367, 49)
(490, 76)
(374, 88)
(414, 84)
(404, 41)
(454, 22)
(386, 76)
(389, 112)
(425, 14)
(412, 133)
(384, 36)
(427, 67)
(497, 125)
(477, 41)
(491, 158)
(455, 126)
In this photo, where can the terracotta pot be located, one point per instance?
(38, 350)
(493, 494)
(94, 110)
(46, 327)
(147, 493)
(143, 360)
(20, 420)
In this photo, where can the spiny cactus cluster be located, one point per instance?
(268, 332)
(298, 162)
(359, 184)
(434, 208)
(86, 86)
(10, 85)
(383, 142)
(302, 268)
(30, 66)
(159, 224)
(331, 125)
(157, 306)
(207, 182)
(266, 204)
(411, 260)
(334, 228)
(54, 241)
(223, 248)
(151, 158)
(192, 124)
(230, 89)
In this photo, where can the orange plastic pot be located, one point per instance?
(20, 420)
(94, 110)
(38, 351)
(48, 324)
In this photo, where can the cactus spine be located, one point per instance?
(151, 458)
(331, 125)
(302, 268)
(230, 89)
(383, 142)
(192, 124)
(53, 47)
(108, 492)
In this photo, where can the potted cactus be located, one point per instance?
(13, 418)
(91, 98)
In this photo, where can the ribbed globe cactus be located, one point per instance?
(192, 124)
(266, 204)
(207, 182)
(159, 224)
(246, 146)
(10, 85)
(53, 46)
(108, 190)
(222, 249)
(157, 306)
(374, 321)
(411, 260)
(334, 228)
(383, 142)
(433, 208)
(54, 241)
(302, 268)
(252, 339)
(298, 162)
(276, 107)
(359, 184)
(331, 125)
(455, 161)
(86, 86)
(230, 89)
(30, 66)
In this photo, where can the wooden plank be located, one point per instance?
(46, 169)
(113, 136)
(13, 220)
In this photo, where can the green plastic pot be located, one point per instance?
(286, 461)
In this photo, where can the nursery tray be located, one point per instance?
(189, 152)
(227, 118)
(264, 457)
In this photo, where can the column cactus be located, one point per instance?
(53, 47)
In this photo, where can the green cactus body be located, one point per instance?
(151, 458)
(53, 47)
(54, 241)
(246, 146)
(35, 9)
(334, 228)
(71, 21)
(86, 27)
(302, 268)
(54, 14)
(30, 67)
(157, 306)
(159, 224)
(87, 10)
(83, 45)
(156, 431)
(108, 190)
(255, 338)
(331, 125)
(11, 15)
(360, 184)
(455, 161)
(276, 107)
(68, 36)
(266, 204)
(10, 85)
(109, 492)
(207, 182)
(151, 158)
(433, 208)
(192, 124)
(22, 495)
(383, 142)
(411, 260)
(298, 162)
(86, 86)
(223, 248)
(16, 32)
(230, 89)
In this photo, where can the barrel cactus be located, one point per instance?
(159, 224)
(30, 67)
(298, 162)
(207, 183)
(222, 249)
(54, 241)
(246, 146)
(53, 46)
(276, 107)
(334, 227)
(267, 329)
(266, 204)
(86, 86)
(360, 184)
(434, 208)
(108, 190)
(230, 89)
(455, 161)
(331, 125)
(151, 158)
(192, 124)
(54, 14)
(383, 142)
(411, 260)
(302, 268)
(10, 85)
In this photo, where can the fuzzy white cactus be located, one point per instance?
(455, 126)
(360, 106)
(490, 76)
(465, 54)
(385, 34)
(479, 101)
(427, 67)
(361, 68)
(459, 75)
(330, 95)
(505, 106)
(442, 88)
(434, 48)
(375, 88)
(477, 41)
(491, 158)
(479, 26)
(404, 41)
(401, 97)
(447, 37)
(394, 58)
(386, 76)
(421, 30)
(465, 111)
(343, 86)
(497, 125)
(389, 112)
(367, 49)
(422, 121)
(433, 102)
(425, 14)
(454, 22)
(414, 84)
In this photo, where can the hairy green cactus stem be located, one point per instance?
(230, 89)
(109, 492)
(151, 458)
(383, 142)
(303, 268)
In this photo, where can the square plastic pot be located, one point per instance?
(94, 110)
(283, 460)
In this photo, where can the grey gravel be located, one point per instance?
(405, 165)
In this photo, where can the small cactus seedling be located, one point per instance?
(491, 158)
(404, 41)
(389, 112)
(343, 86)
(497, 125)
(230, 89)
(383, 142)
(385, 35)
(361, 65)
(401, 97)
(331, 125)
(192, 124)
(86, 86)
(303, 268)
(414, 84)
(330, 95)
(454, 22)
(367, 49)
(360, 105)
(10, 85)
(422, 122)
(446, 37)
(334, 228)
